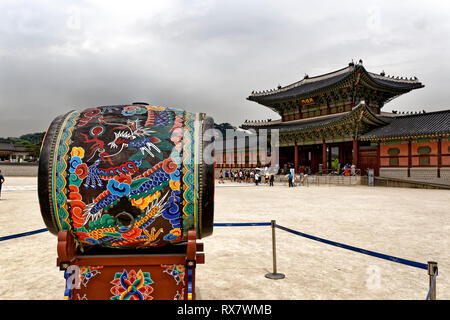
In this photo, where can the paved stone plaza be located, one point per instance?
(413, 224)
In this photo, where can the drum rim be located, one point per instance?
(45, 172)
(206, 196)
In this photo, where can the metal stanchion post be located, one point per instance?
(432, 271)
(274, 275)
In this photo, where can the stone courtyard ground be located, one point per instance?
(413, 224)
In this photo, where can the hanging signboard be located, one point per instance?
(307, 101)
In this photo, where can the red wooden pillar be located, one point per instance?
(439, 153)
(409, 158)
(324, 155)
(296, 157)
(377, 169)
(355, 151)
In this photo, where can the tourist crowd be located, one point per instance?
(258, 176)
(263, 176)
(246, 176)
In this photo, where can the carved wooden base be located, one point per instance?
(103, 274)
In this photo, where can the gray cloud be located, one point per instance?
(206, 55)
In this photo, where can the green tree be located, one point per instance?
(32, 149)
(35, 138)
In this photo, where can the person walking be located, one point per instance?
(2, 179)
(221, 177)
(347, 170)
(290, 177)
(256, 178)
(271, 179)
(302, 174)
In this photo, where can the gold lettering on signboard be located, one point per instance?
(307, 101)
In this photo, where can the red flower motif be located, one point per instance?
(123, 178)
(146, 290)
(82, 235)
(118, 289)
(81, 171)
(132, 276)
(77, 217)
(133, 233)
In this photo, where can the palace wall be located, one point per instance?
(426, 160)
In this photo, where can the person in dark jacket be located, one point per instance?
(2, 179)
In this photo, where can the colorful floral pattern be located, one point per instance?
(87, 273)
(176, 271)
(132, 286)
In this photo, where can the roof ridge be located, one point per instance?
(401, 80)
(348, 70)
(421, 114)
(306, 80)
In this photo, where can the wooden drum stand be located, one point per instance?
(166, 273)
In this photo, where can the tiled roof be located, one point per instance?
(423, 124)
(310, 85)
(295, 125)
(20, 149)
(6, 146)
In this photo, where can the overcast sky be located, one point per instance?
(207, 56)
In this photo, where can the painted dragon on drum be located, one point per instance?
(124, 176)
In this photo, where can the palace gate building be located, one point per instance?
(338, 118)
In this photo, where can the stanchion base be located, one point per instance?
(275, 276)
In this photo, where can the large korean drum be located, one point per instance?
(127, 176)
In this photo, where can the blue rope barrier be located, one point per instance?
(248, 224)
(242, 224)
(24, 234)
(368, 252)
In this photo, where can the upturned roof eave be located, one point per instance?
(384, 83)
(350, 116)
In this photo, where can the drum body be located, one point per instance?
(127, 176)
